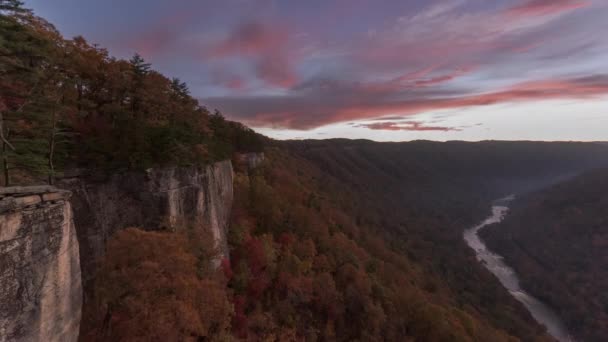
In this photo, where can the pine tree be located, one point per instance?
(13, 6)
(19, 53)
(180, 88)
(140, 67)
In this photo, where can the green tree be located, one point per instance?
(22, 51)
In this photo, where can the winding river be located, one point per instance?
(506, 275)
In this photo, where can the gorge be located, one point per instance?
(164, 220)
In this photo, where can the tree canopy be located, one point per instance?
(67, 103)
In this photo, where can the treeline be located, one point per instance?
(557, 240)
(68, 103)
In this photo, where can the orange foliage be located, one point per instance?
(148, 289)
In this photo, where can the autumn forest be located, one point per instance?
(328, 240)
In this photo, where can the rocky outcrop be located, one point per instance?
(158, 198)
(51, 240)
(40, 278)
(251, 160)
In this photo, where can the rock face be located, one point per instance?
(251, 160)
(158, 198)
(40, 278)
(51, 240)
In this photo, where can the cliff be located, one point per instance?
(41, 293)
(51, 240)
(157, 198)
(250, 160)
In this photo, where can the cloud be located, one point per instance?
(266, 46)
(546, 7)
(294, 66)
(322, 102)
(261, 45)
(163, 36)
(228, 79)
(276, 69)
(444, 78)
(251, 38)
(405, 126)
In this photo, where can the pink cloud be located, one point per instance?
(266, 46)
(546, 7)
(228, 79)
(330, 103)
(444, 78)
(405, 126)
(159, 38)
(251, 39)
(418, 74)
(276, 70)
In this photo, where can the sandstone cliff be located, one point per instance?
(51, 240)
(40, 282)
(158, 198)
(251, 160)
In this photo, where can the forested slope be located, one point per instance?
(421, 195)
(557, 240)
(306, 264)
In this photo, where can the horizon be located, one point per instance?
(527, 70)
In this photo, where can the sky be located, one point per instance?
(387, 70)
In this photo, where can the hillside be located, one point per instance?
(347, 240)
(556, 239)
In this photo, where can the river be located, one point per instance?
(507, 276)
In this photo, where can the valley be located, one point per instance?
(507, 276)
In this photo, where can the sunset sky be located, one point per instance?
(382, 70)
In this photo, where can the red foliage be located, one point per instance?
(256, 255)
(227, 268)
(239, 321)
(286, 239)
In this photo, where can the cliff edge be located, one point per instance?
(39, 266)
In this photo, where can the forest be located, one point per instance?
(67, 104)
(329, 237)
(333, 240)
(557, 241)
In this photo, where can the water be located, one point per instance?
(508, 278)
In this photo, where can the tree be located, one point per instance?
(59, 96)
(140, 67)
(13, 7)
(180, 88)
(21, 51)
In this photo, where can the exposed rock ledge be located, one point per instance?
(40, 279)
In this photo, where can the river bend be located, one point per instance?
(507, 276)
